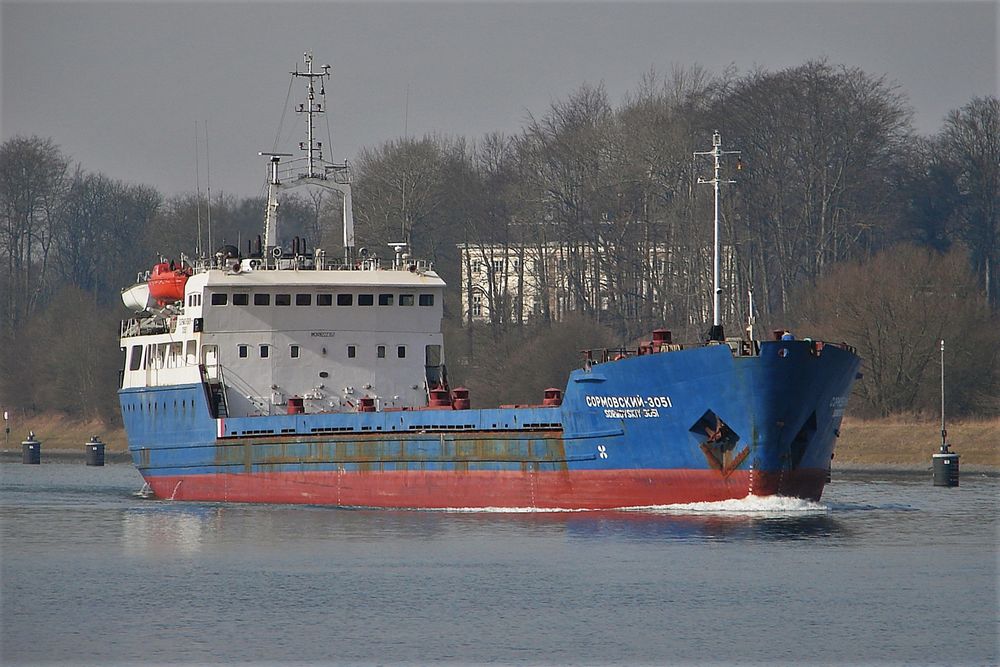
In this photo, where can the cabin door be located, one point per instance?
(210, 360)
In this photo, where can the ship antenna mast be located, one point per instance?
(328, 175)
(716, 333)
(314, 149)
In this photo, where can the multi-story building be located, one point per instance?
(517, 282)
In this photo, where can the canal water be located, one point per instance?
(887, 569)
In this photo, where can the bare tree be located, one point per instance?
(32, 172)
(822, 143)
(895, 308)
(97, 229)
(971, 143)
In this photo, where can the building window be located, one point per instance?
(241, 299)
(265, 351)
(385, 299)
(366, 299)
(380, 351)
(352, 351)
(477, 305)
(243, 351)
(303, 299)
(426, 299)
(262, 299)
(401, 351)
(219, 298)
(293, 351)
(497, 265)
(324, 299)
(345, 299)
(282, 299)
(406, 299)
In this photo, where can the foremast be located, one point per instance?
(716, 333)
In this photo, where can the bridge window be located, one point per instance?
(282, 299)
(135, 358)
(426, 299)
(345, 299)
(243, 351)
(366, 299)
(324, 299)
(219, 298)
(406, 299)
(303, 299)
(385, 299)
(261, 299)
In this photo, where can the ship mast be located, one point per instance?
(316, 170)
(313, 149)
(716, 333)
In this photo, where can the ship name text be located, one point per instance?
(629, 407)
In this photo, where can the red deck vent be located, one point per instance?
(295, 406)
(439, 398)
(662, 337)
(553, 397)
(366, 404)
(460, 398)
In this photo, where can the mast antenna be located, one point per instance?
(314, 149)
(208, 186)
(336, 177)
(197, 182)
(716, 333)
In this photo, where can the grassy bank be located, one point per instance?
(904, 442)
(893, 442)
(57, 433)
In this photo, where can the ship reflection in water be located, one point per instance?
(161, 528)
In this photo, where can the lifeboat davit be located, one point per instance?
(166, 283)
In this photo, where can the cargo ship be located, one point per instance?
(281, 375)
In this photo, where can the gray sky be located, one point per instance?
(119, 86)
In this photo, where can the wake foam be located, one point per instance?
(501, 510)
(750, 505)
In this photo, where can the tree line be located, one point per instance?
(838, 200)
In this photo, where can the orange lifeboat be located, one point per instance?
(166, 283)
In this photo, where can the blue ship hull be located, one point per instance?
(698, 424)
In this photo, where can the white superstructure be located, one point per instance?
(283, 330)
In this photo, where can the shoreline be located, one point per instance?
(902, 443)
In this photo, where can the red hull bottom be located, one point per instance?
(543, 490)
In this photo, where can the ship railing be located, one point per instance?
(143, 327)
(740, 347)
(376, 264)
(604, 355)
